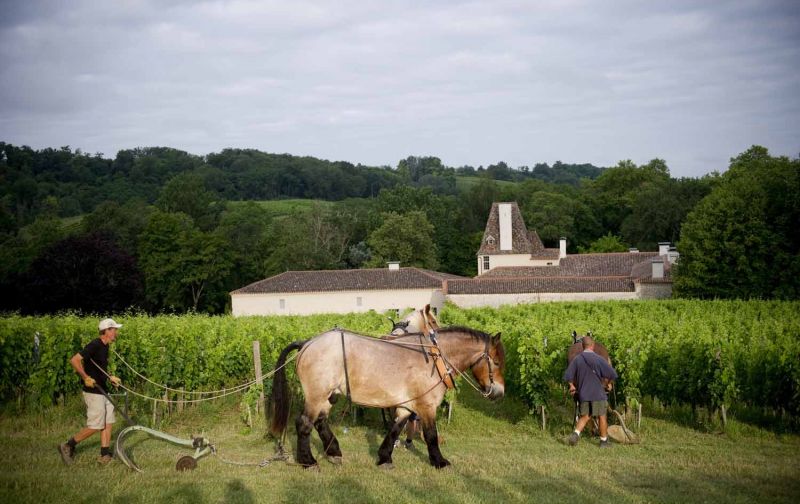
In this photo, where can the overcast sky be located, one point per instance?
(693, 83)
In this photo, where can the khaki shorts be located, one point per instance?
(99, 411)
(594, 408)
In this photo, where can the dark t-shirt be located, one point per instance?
(585, 371)
(95, 352)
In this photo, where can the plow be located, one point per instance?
(202, 446)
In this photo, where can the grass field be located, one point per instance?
(499, 454)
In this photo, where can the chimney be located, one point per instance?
(658, 268)
(504, 216)
(562, 247)
(663, 248)
(394, 265)
(633, 250)
(673, 255)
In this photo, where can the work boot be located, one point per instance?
(605, 444)
(573, 439)
(67, 453)
(104, 459)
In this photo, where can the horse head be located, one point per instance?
(577, 347)
(418, 321)
(488, 368)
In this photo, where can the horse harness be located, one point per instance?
(440, 362)
(445, 372)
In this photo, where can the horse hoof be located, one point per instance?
(408, 444)
(387, 466)
(443, 464)
(335, 460)
(312, 468)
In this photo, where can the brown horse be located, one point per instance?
(398, 374)
(577, 347)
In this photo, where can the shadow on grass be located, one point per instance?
(237, 492)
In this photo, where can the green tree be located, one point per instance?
(187, 193)
(407, 238)
(245, 227)
(180, 263)
(604, 244)
(742, 240)
(125, 222)
(311, 240)
(613, 194)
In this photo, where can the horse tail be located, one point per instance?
(280, 391)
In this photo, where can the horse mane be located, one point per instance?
(476, 335)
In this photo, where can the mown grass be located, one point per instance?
(498, 450)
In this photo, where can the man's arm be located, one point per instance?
(77, 364)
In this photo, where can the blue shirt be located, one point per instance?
(586, 371)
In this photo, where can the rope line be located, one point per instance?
(211, 392)
(230, 391)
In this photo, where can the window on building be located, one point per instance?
(490, 240)
(485, 263)
(358, 301)
(283, 304)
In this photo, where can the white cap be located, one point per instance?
(108, 324)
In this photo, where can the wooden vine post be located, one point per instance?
(257, 362)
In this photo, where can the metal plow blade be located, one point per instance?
(202, 447)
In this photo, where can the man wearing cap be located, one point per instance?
(590, 378)
(91, 364)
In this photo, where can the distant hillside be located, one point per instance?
(72, 183)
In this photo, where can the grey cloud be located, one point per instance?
(471, 82)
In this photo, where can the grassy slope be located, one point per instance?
(464, 184)
(280, 208)
(498, 451)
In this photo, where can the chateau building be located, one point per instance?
(513, 267)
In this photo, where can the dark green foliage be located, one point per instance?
(88, 273)
(604, 244)
(182, 264)
(742, 240)
(407, 238)
(659, 210)
(703, 353)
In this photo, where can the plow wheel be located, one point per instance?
(186, 463)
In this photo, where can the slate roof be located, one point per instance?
(521, 285)
(585, 265)
(346, 280)
(643, 271)
(522, 241)
(612, 272)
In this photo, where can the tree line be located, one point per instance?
(161, 230)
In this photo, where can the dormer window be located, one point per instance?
(490, 240)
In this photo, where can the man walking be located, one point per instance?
(91, 364)
(590, 378)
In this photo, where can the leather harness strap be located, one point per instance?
(346, 375)
(444, 373)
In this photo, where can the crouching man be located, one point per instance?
(91, 364)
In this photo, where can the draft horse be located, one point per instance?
(420, 322)
(399, 374)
